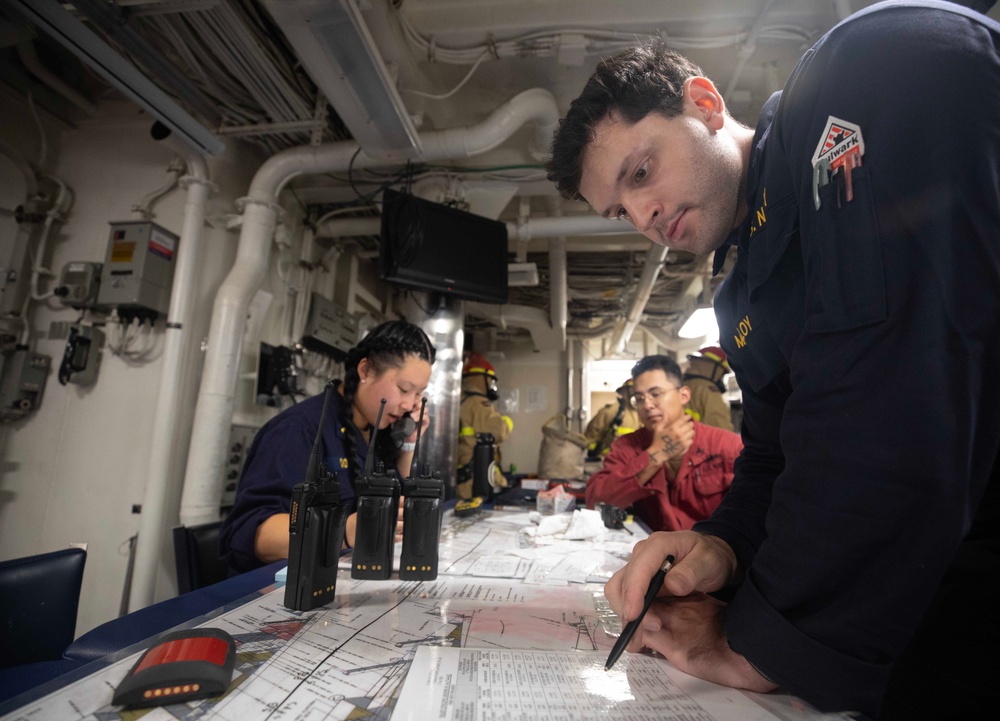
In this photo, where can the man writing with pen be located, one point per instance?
(673, 471)
(857, 542)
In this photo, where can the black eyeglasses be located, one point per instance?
(655, 394)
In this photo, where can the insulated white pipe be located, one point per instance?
(162, 493)
(210, 430)
(54, 214)
(534, 320)
(747, 49)
(200, 500)
(521, 231)
(655, 257)
(558, 286)
(143, 210)
(558, 277)
(662, 337)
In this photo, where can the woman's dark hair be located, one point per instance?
(386, 346)
(644, 79)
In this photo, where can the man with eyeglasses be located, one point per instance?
(673, 471)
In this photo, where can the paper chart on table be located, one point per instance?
(478, 545)
(470, 684)
(347, 660)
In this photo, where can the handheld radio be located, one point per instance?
(315, 529)
(421, 519)
(378, 508)
(483, 465)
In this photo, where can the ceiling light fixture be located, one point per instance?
(702, 323)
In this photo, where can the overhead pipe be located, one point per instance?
(655, 258)
(525, 230)
(843, 8)
(26, 52)
(53, 215)
(213, 412)
(558, 287)
(606, 327)
(662, 337)
(558, 276)
(143, 210)
(161, 496)
(748, 48)
(534, 320)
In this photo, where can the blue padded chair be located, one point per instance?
(39, 597)
(196, 556)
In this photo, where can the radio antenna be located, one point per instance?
(420, 428)
(312, 470)
(370, 458)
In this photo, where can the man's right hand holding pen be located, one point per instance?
(684, 624)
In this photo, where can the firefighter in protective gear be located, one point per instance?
(477, 415)
(705, 377)
(611, 421)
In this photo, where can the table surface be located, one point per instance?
(500, 586)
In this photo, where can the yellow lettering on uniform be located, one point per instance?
(743, 328)
(761, 216)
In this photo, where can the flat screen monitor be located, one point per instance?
(435, 247)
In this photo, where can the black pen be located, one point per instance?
(631, 626)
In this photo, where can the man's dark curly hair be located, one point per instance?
(631, 84)
(664, 363)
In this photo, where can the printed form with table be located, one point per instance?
(515, 626)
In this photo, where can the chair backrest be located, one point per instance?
(39, 598)
(196, 555)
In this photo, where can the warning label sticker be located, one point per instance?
(122, 252)
(162, 244)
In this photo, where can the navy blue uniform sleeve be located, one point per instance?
(873, 465)
(276, 462)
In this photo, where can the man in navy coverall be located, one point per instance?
(852, 562)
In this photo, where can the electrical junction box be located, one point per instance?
(138, 270)
(240, 438)
(330, 329)
(22, 381)
(79, 281)
(82, 355)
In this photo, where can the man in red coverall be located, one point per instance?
(674, 470)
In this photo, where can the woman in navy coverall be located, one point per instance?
(393, 362)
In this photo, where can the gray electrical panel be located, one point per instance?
(240, 438)
(22, 380)
(329, 329)
(79, 282)
(82, 355)
(138, 269)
